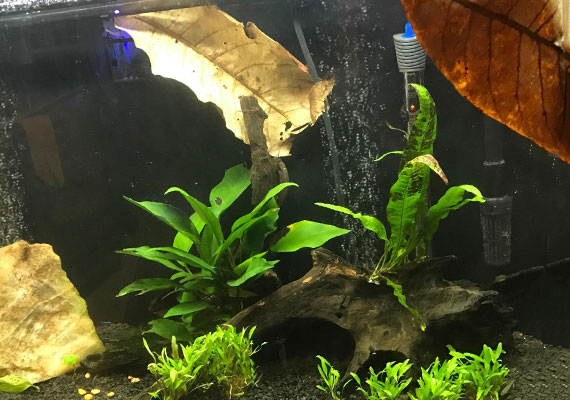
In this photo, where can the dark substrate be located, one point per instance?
(540, 372)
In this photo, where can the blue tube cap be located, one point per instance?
(408, 31)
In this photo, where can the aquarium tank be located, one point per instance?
(284, 199)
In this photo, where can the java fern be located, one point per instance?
(412, 224)
(212, 264)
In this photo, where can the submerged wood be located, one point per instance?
(266, 171)
(456, 313)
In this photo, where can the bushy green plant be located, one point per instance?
(464, 375)
(412, 224)
(210, 268)
(441, 381)
(222, 358)
(230, 363)
(387, 384)
(175, 376)
(330, 377)
(483, 375)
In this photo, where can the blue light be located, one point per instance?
(116, 11)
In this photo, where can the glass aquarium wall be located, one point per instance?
(135, 134)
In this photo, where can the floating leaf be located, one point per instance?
(221, 60)
(509, 58)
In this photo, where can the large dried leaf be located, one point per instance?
(508, 57)
(220, 61)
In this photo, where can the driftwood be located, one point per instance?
(266, 171)
(456, 313)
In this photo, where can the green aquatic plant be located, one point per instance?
(211, 269)
(222, 358)
(175, 375)
(464, 375)
(70, 359)
(15, 384)
(230, 361)
(483, 375)
(412, 223)
(387, 384)
(330, 377)
(441, 381)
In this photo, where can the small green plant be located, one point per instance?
(221, 358)
(175, 376)
(387, 384)
(330, 377)
(210, 269)
(230, 362)
(412, 224)
(441, 381)
(70, 359)
(15, 384)
(483, 375)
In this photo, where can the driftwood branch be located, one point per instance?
(266, 171)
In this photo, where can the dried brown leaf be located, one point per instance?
(220, 60)
(508, 57)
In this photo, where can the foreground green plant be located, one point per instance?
(330, 377)
(15, 384)
(483, 375)
(441, 381)
(464, 375)
(387, 384)
(211, 268)
(175, 376)
(221, 358)
(412, 224)
(230, 362)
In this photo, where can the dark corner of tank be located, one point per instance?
(284, 199)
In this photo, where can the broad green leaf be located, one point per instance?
(168, 328)
(307, 234)
(182, 242)
(238, 233)
(236, 180)
(388, 153)
(208, 244)
(399, 293)
(165, 256)
(253, 240)
(371, 223)
(203, 211)
(453, 199)
(251, 268)
(259, 208)
(150, 253)
(405, 207)
(170, 215)
(186, 308)
(423, 132)
(148, 285)
(14, 384)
